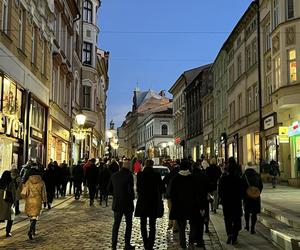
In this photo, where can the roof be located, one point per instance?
(146, 95)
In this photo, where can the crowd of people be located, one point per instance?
(193, 190)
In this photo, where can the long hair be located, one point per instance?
(5, 179)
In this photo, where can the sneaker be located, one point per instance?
(8, 235)
(129, 247)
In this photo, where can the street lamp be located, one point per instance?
(80, 119)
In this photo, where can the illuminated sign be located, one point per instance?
(11, 126)
(294, 129)
(283, 135)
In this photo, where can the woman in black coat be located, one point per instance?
(230, 187)
(149, 188)
(251, 206)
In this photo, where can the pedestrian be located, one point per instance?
(149, 203)
(7, 199)
(64, 177)
(24, 170)
(210, 197)
(183, 199)
(57, 178)
(213, 173)
(121, 184)
(50, 181)
(137, 166)
(17, 180)
(78, 175)
(91, 176)
(274, 172)
(71, 179)
(230, 191)
(166, 182)
(252, 205)
(201, 207)
(103, 181)
(113, 166)
(34, 193)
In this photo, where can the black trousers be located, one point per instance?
(115, 230)
(92, 191)
(196, 230)
(181, 228)
(148, 239)
(50, 193)
(233, 225)
(77, 187)
(253, 219)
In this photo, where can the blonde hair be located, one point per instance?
(213, 161)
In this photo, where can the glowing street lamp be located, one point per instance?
(80, 119)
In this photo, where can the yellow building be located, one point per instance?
(25, 42)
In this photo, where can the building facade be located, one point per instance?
(280, 25)
(25, 73)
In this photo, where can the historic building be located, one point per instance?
(131, 139)
(178, 92)
(280, 26)
(25, 73)
(194, 120)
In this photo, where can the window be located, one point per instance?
(5, 16)
(277, 72)
(289, 6)
(33, 44)
(292, 66)
(275, 13)
(87, 53)
(267, 37)
(248, 57)
(56, 25)
(55, 84)
(269, 89)
(232, 112)
(164, 129)
(87, 11)
(21, 28)
(256, 101)
(240, 106)
(231, 74)
(254, 52)
(37, 115)
(250, 100)
(87, 97)
(239, 65)
(44, 53)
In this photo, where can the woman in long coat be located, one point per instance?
(6, 211)
(251, 206)
(231, 198)
(149, 189)
(34, 193)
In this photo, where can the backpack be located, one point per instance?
(252, 191)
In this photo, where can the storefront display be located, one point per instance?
(294, 134)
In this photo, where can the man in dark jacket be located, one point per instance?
(78, 175)
(121, 184)
(65, 175)
(103, 181)
(183, 199)
(149, 188)
(91, 176)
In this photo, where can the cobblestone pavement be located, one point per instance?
(75, 225)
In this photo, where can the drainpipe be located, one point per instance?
(261, 128)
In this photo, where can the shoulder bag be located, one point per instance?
(252, 191)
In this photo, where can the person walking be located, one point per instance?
(91, 176)
(7, 199)
(50, 181)
(274, 172)
(121, 184)
(183, 199)
(201, 206)
(149, 203)
(17, 180)
(103, 181)
(65, 176)
(34, 193)
(213, 173)
(166, 182)
(78, 175)
(57, 178)
(230, 191)
(252, 205)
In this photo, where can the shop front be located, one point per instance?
(11, 124)
(37, 132)
(60, 143)
(294, 135)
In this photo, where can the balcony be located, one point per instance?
(91, 118)
(286, 97)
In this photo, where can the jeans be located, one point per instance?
(115, 230)
(148, 240)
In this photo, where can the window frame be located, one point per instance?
(287, 9)
(289, 62)
(86, 52)
(5, 16)
(86, 97)
(22, 24)
(164, 129)
(88, 11)
(277, 72)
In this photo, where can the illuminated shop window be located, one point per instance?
(292, 65)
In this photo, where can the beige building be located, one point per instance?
(25, 73)
(280, 29)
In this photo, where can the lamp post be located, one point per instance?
(79, 133)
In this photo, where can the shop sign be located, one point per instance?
(36, 134)
(11, 126)
(283, 135)
(60, 131)
(294, 129)
(269, 122)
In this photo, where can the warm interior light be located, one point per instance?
(109, 134)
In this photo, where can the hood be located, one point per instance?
(35, 179)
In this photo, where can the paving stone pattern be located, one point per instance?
(75, 225)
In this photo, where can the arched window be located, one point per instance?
(164, 129)
(88, 11)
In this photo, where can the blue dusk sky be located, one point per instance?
(152, 42)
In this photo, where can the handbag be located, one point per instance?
(252, 191)
(24, 192)
(8, 196)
